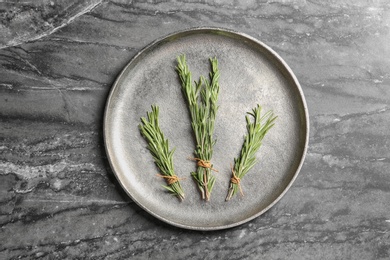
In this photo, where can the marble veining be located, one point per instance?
(58, 196)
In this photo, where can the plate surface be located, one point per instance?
(251, 74)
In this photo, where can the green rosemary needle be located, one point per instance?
(256, 131)
(202, 99)
(159, 148)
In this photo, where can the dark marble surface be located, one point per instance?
(58, 196)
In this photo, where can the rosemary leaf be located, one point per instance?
(256, 131)
(159, 148)
(201, 97)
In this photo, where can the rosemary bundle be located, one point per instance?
(256, 131)
(202, 99)
(159, 148)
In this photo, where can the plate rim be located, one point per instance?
(195, 30)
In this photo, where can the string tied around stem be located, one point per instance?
(203, 163)
(171, 179)
(236, 180)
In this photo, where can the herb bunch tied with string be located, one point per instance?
(201, 97)
(159, 148)
(256, 130)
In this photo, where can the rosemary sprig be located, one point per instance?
(256, 131)
(202, 99)
(159, 148)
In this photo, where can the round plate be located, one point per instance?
(251, 74)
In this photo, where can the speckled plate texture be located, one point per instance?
(251, 74)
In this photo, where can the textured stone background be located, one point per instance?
(58, 196)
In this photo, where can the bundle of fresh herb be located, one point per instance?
(202, 99)
(159, 148)
(256, 131)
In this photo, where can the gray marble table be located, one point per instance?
(58, 195)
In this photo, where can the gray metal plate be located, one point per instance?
(251, 73)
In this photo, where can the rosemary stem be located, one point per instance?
(201, 97)
(159, 148)
(256, 131)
